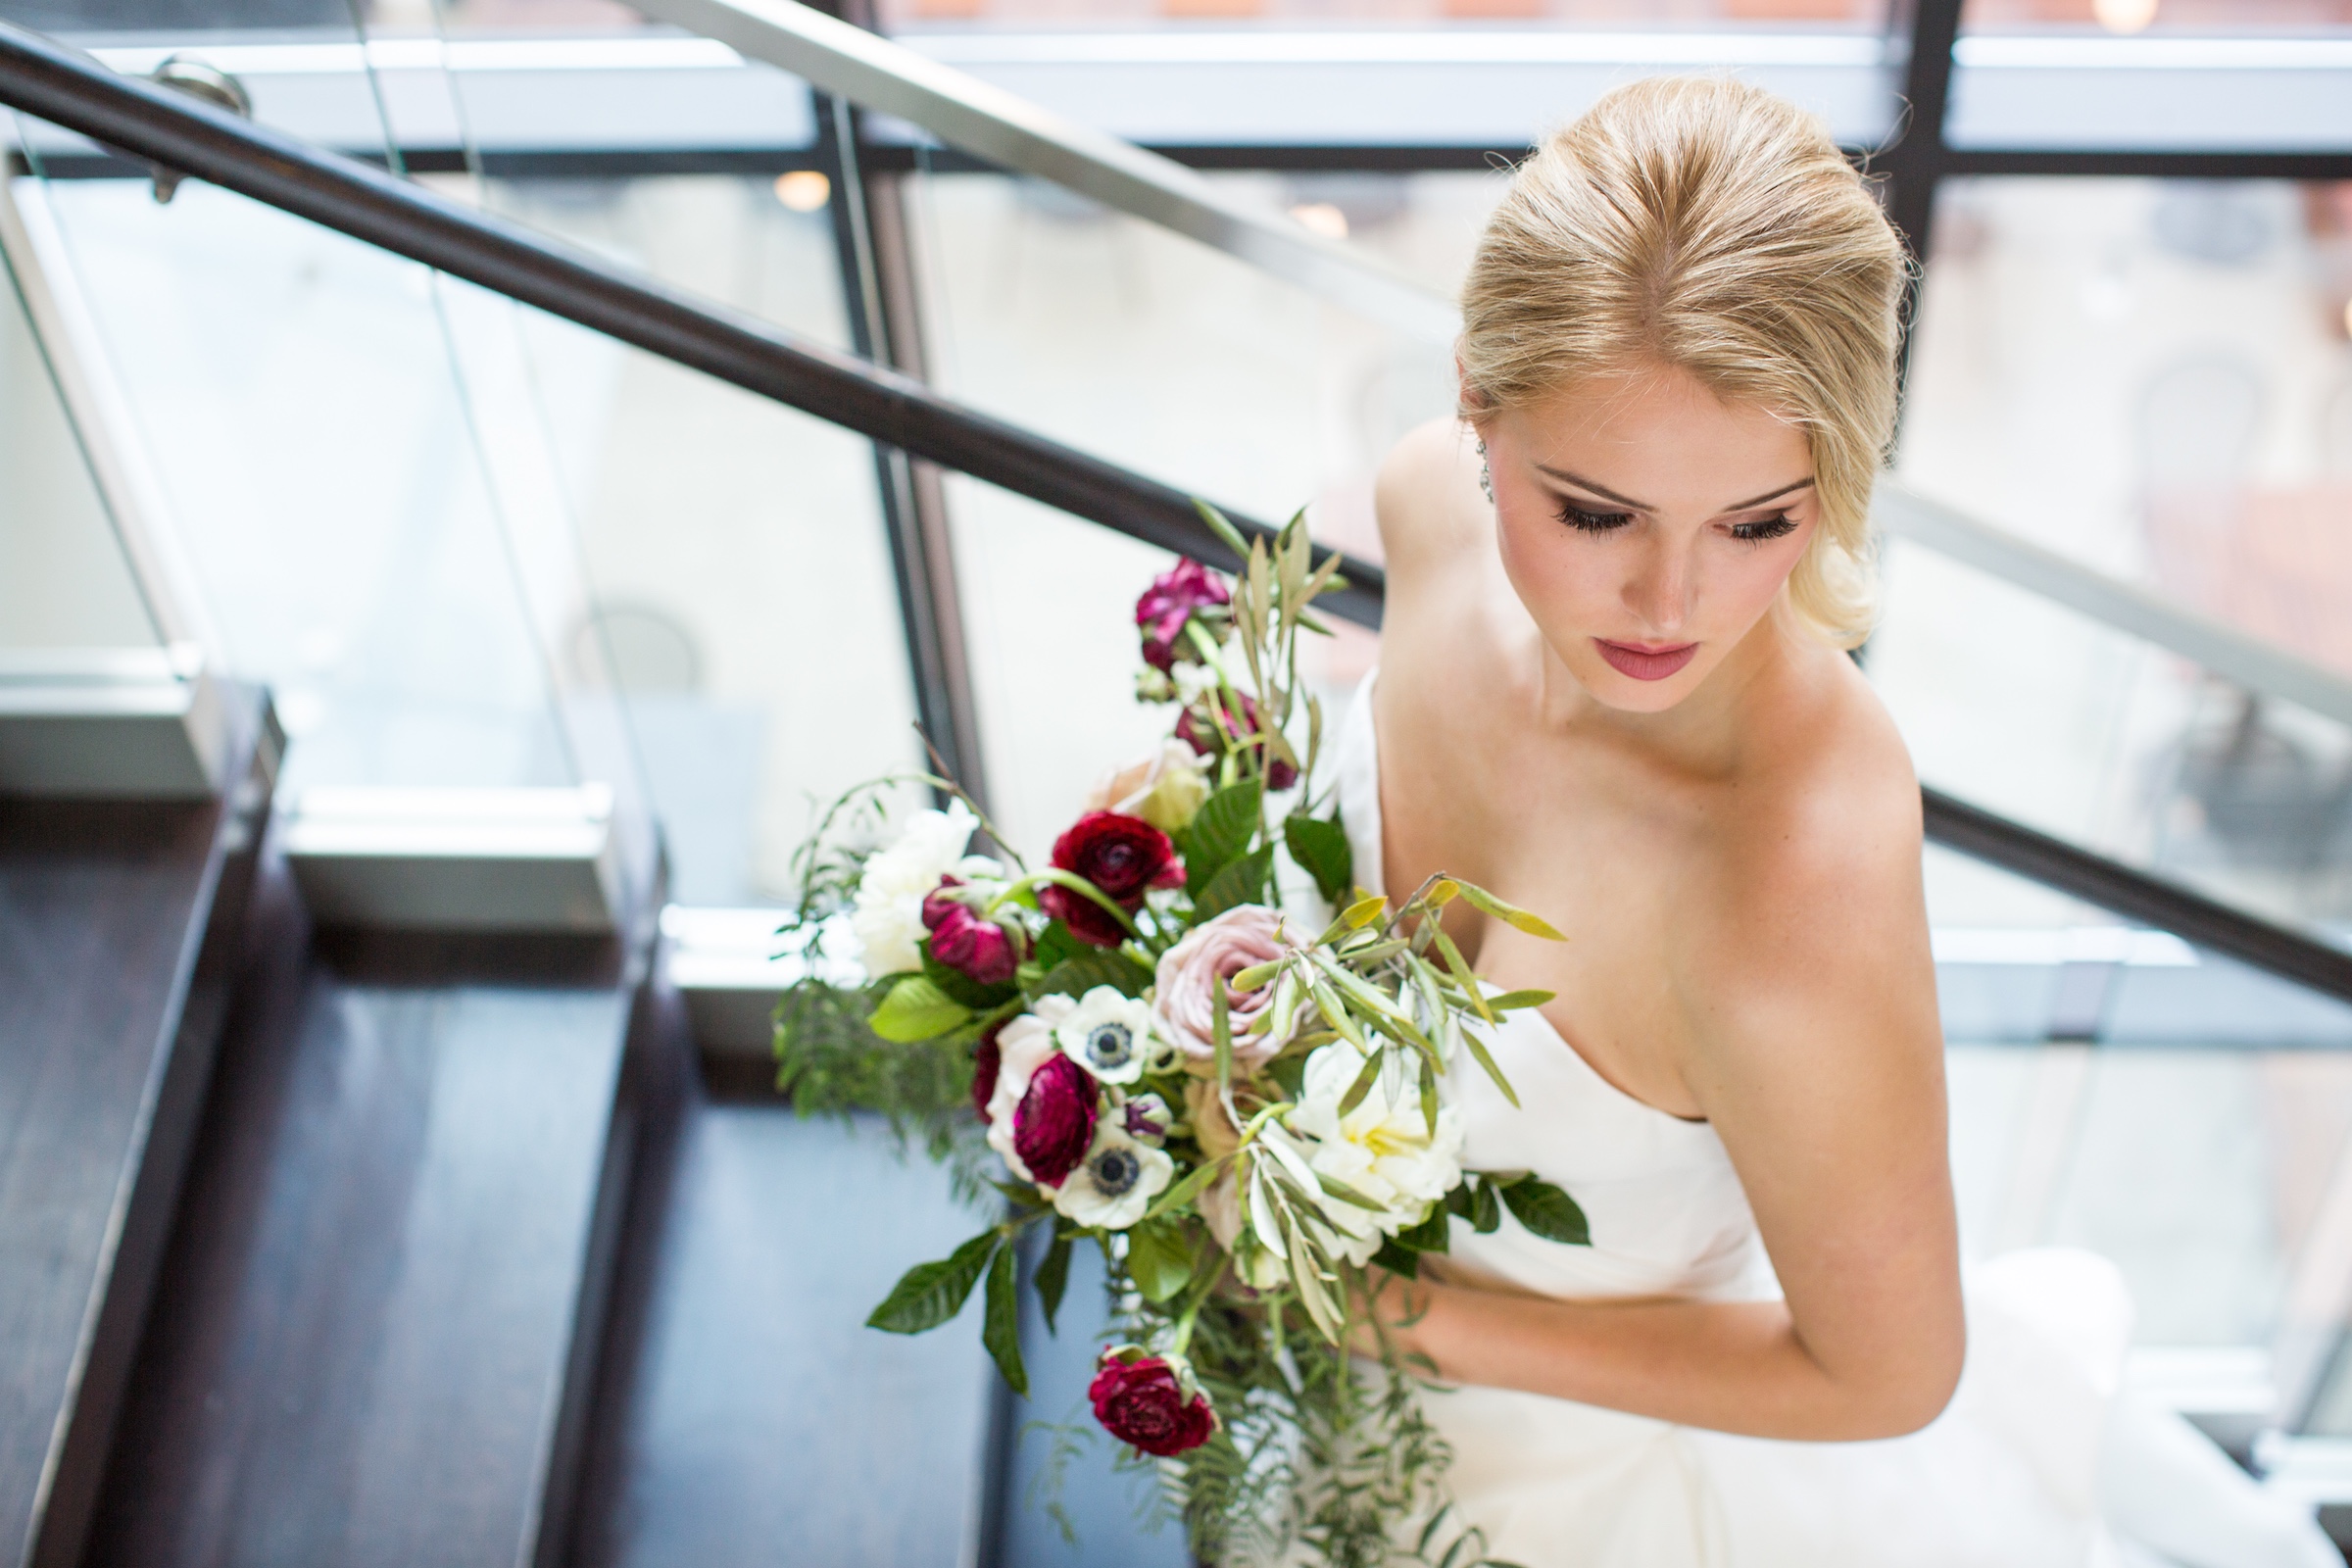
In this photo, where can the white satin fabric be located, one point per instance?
(2036, 1461)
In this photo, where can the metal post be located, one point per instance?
(1917, 160)
(879, 294)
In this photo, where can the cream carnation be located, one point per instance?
(888, 919)
(1185, 996)
(1382, 1150)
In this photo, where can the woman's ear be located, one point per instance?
(1469, 400)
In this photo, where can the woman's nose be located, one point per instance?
(1660, 590)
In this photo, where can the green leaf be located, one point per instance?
(1223, 529)
(1434, 1234)
(1363, 1086)
(1397, 1259)
(1220, 831)
(1514, 1001)
(964, 989)
(1549, 1212)
(1001, 1328)
(1486, 1207)
(930, 1293)
(1056, 944)
(1185, 1191)
(1321, 850)
(1157, 1259)
(1096, 966)
(1508, 914)
(1052, 1277)
(1478, 1048)
(916, 1009)
(1243, 881)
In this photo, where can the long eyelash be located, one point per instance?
(1582, 521)
(1757, 533)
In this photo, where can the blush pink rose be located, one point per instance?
(1185, 996)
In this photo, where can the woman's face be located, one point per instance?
(1647, 527)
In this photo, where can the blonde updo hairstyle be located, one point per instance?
(1704, 224)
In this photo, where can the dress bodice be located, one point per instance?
(1667, 1212)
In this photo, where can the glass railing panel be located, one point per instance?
(742, 601)
(68, 580)
(294, 393)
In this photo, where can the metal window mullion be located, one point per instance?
(871, 247)
(1915, 161)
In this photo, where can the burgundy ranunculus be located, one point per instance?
(1173, 597)
(970, 944)
(1054, 1124)
(1124, 857)
(1201, 736)
(1141, 1401)
(988, 1059)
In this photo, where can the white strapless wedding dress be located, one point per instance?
(2041, 1460)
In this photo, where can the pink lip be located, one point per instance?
(1645, 662)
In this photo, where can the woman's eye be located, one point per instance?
(1584, 521)
(1779, 527)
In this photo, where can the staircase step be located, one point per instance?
(378, 1318)
(119, 924)
(748, 1417)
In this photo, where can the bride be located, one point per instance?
(1614, 692)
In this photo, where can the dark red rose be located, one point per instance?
(1054, 1123)
(1122, 856)
(1141, 1401)
(968, 942)
(1201, 734)
(988, 1059)
(1172, 600)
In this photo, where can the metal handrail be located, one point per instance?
(68, 88)
(1014, 133)
(41, 78)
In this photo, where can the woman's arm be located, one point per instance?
(1814, 1048)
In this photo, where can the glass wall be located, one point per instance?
(2208, 17)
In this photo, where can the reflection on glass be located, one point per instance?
(293, 391)
(2126, 17)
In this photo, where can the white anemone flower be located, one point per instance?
(1382, 1150)
(888, 915)
(1109, 1034)
(1117, 1181)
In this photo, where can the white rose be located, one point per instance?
(1023, 1046)
(1109, 1034)
(1383, 1150)
(888, 915)
(1117, 1181)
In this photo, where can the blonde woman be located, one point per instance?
(1614, 691)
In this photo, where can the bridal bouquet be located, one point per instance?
(1150, 1047)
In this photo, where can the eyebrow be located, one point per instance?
(1606, 494)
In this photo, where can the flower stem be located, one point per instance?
(1064, 879)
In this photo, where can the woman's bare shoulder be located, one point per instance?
(1822, 851)
(1428, 500)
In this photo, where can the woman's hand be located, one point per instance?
(1392, 1309)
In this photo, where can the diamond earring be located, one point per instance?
(1486, 474)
